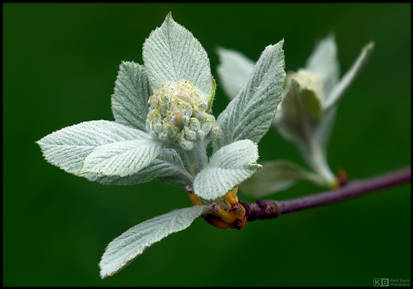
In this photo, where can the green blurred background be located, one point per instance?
(60, 63)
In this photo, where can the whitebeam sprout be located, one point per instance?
(163, 125)
(305, 116)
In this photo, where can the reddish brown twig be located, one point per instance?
(266, 209)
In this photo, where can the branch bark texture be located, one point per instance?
(267, 209)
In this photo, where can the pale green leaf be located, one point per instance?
(346, 80)
(324, 62)
(122, 250)
(311, 105)
(300, 114)
(67, 148)
(233, 70)
(300, 120)
(323, 131)
(276, 176)
(228, 167)
(212, 97)
(172, 53)
(130, 98)
(123, 158)
(250, 113)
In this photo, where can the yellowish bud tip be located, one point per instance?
(335, 184)
(227, 212)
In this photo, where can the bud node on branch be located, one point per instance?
(261, 209)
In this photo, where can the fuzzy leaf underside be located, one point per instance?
(122, 158)
(250, 113)
(172, 53)
(122, 250)
(131, 94)
(167, 167)
(67, 148)
(228, 167)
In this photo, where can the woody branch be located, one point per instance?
(266, 209)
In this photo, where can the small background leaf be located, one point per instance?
(346, 80)
(300, 114)
(234, 70)
(275, 176)
(324, 62)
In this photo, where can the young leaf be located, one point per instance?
(323, 131)
(167, 166)
(68, 147)
(132, 243)
(324, 62)
(276, 176)
(346, 80)
(250, 113)
(300, 114)
(123, 158)
(172, 53)
(172, 169)
(233, 70)
(130, 98)
(228, 167)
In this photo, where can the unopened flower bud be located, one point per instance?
(308, 80)
(178, 115)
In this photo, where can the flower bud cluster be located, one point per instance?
(307, 80)
(178, 115)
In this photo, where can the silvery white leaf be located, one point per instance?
(236, 154)
(130, 98)
(67, 148)
(122, 250)
(166, 167)
(122, 158)
(233, 70)
(346, 80)
(324, 62)
(276, 176)
(172, 53)
(228, 167)
(173, 169)
(250, 113)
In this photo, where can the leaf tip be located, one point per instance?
(255, 166)
(103, 274)
(169, 18)
(331, 36)
(219, 50)
(370, 46)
